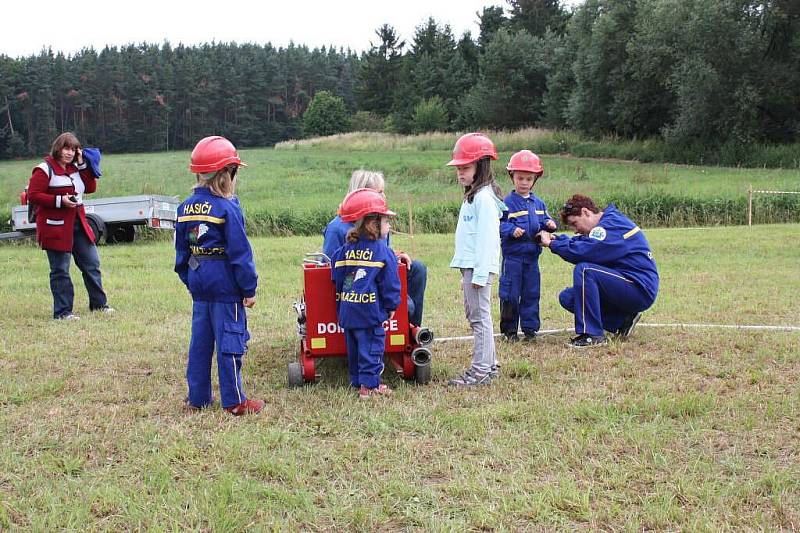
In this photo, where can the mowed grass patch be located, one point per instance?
(676, 428)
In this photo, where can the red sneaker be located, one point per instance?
(381, 390)
(247, 407)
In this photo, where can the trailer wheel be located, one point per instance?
(422, 374)
(120, 233)
(98, 227)
(295, 375)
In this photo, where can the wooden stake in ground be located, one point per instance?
(411, 227)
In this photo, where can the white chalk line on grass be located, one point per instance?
(673, 325)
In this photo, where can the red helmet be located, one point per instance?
(363, 202)
(212, 154)
(527, 161)
(471, 147)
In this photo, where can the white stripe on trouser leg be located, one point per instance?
(233, 359)
(583, 290)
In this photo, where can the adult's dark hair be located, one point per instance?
(65, 140)
(368, 226)
(483, 176)
(573, 206)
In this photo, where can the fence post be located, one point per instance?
(411, 227)
(750, 205)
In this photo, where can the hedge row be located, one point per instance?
(648, 211)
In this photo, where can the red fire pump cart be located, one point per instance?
(320, 335)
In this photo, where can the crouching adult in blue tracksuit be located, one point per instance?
(367, 288)
(615, 276)
(214, 260)
(520, 281)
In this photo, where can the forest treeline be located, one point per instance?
(686, 72)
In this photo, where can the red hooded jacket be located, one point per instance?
(54, 222)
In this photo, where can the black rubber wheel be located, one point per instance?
(422, 374)
(295, 372)
(120, 233)
(98, 227)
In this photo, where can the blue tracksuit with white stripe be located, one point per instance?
(615, 275)
(367, 291)
(520, 280)
(214, 260)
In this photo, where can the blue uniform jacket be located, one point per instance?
(213, 257)
(530, 214)
(617, 243)
(367, 284)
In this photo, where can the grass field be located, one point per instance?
(675, 429)
(297, 183)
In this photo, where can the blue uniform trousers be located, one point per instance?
(416, 281)
(519, 292)
(365, 349)
(224, 325)
(601, 298)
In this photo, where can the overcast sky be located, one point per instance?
(29, 26)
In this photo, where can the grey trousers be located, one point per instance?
(478, 309)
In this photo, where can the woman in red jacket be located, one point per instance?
(56, 189)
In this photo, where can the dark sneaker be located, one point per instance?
(510, 337)
(530, 336)
(626, 329)
(246, 407)
(588, 341)
(494, 371)
(471, 378)
(106, 309)
(68, 316)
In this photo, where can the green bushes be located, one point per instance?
(326, 115)
(650, 211)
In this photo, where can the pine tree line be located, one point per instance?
(691, 72)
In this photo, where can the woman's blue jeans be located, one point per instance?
(88, 261)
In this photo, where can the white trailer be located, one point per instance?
(111, 218)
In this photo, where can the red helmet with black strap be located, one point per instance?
(526, 161)
(363, 202)
(214, 153)
(471, 147)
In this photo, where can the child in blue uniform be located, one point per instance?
(364, 270)
(519, 278)
(615, 276)
(214, 260)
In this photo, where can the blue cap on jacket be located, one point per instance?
(93, 156)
